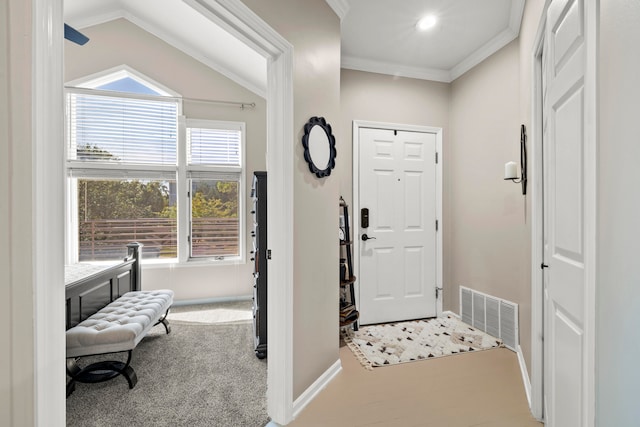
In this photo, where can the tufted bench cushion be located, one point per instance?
(120, 325)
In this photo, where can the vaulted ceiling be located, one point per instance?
(377, 35)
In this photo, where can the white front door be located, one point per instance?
(397, 265)
(564, 289)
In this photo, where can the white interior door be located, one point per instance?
(564, 214)
(397, 265)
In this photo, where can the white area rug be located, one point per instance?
(393, 343)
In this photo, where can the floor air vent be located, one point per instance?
(495, 316)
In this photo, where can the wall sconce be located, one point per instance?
(511, 169)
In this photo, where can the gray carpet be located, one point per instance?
(198, 375)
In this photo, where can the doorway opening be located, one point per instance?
(49, 195)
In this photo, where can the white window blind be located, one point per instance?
(120, 129)
(208, 146)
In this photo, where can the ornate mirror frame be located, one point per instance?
(319, 146)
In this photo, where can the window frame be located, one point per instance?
(185, 172)
(180, 172)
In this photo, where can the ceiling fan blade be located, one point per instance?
(74, 35)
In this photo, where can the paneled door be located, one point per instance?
(397, 257)
(564, 289)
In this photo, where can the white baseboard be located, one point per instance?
(451, 313)
(525, 375)
(309, 394)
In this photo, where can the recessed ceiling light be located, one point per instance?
(427, 22)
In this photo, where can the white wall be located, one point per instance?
(191, 79)
(314, 31)
(618, 276)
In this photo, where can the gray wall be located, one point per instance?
(618, 276)
(489, 226)
(17, 357)
(490, 219)
(191, 79)
(314, 31)
(384, 98)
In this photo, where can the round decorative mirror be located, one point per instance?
(319, 146)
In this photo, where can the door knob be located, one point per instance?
(365, 237)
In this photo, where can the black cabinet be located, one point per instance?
(259, 259)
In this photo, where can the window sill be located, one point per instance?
(192, 262)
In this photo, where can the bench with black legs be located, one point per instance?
(116, 328)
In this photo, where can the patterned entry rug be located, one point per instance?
(393, 343)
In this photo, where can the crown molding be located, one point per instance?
(485, 51)
(495, 44)
(360, 64)
(340, 7)
(85, 21)
(440, 75)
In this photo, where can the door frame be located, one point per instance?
(590, 220)
(355, 217)
(48, 196)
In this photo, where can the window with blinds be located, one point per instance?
(126, 181)
(214, 196)
(115, 128)
(207, 146)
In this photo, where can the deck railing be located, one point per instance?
(107, 239)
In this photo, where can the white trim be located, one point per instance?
(525, 374)
(492, 46)
(48, 212)
(340, 7)
(433, 74)
(537, 300)
(372, 66)
(441, 223)
(92, 81)
(314, 389)
(85, 21)
(437, 74)
(592, 18)
(48, 63)
(280, 160)
(182, 190)
(495, 44)
(355, 219)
